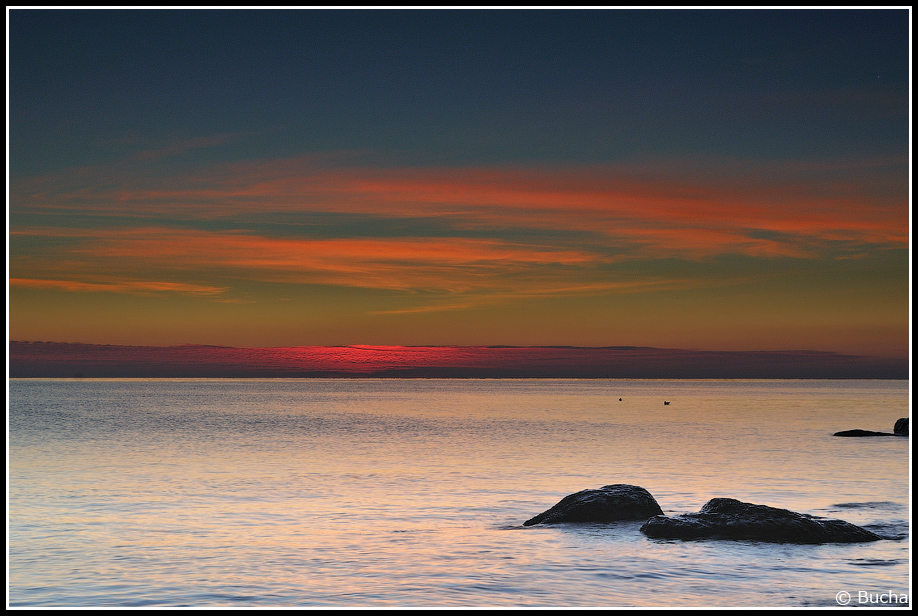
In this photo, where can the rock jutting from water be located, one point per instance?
(862, 433)
(607, 504)
(900, 429)
(728, 518)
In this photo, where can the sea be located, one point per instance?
(412, 493)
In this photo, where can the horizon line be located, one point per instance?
(359, 345)
(68, 359)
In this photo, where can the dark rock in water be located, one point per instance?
(728, 518)
(607, 504)
(862, 433)
(900, 429)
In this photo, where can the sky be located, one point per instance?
(700, 179)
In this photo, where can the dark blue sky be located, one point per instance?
(461, 86)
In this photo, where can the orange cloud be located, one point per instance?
(482, 271)
(451, 264)
(141, 287)
(677, 211)
(700, 243)
(588, 218)
(455, 264)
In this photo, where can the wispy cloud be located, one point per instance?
(178, 146)
(441, 274)
(585, 221)
(667, 208)
(133, 287)
(451, 264)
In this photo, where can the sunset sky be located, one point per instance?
(701, 179)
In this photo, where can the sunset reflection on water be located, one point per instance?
(413, 492)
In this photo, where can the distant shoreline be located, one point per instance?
(68, 360)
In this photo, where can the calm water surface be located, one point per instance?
(387, 493)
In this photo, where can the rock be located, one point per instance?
(728, 518)
(862, 433)
(900, 429)
(607, 504)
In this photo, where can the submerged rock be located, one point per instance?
(901, 427)
(607, 504)
(862, 433)
(728, 518)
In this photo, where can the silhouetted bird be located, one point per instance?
(665, 402)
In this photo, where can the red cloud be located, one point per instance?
(614, 213)
(811, 205)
